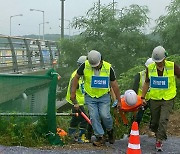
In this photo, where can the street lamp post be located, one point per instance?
(11, 19)
(43, 19)
(40, 28)
(69, 26)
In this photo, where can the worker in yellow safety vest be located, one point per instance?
(77, 120)
(139, 80)
(99, 77)
(160, 77)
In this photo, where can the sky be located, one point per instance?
(31, 21)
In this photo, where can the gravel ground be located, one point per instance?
(170, 146)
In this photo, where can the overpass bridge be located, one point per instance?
(25, 55)
(22, 60)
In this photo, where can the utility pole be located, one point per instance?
(62, 19)
(113, 8)
(99, 9)
(113, 5)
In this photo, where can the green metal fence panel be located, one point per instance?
(36, 94)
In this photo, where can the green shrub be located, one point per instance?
(22, 131)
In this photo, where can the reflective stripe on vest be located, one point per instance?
(160, 93)
(89, 72)
(79, 91)
(141, 82)
(127, 108)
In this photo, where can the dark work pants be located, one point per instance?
(78, 121)
(160, 111)
(140, 113)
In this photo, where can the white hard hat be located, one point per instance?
(94, 58)
(130, 97)
(148, 61)
(81, 60)
(158, 54)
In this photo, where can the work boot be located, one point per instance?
(99, 142)
(71, 131)
(93, 138)
(111, 138)
(159, 146)
(82, 132)
(72, 134)
(89, 132)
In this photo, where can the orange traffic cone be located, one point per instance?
(134, 140)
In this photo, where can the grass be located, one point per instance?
(21, 131)
(24, 131)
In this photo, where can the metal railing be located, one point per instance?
(36, 114)
(24, 55)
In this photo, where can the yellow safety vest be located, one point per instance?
(160, 93)
(141, 82)
(88, 76)
(79, 91)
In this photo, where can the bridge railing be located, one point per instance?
(23, 55)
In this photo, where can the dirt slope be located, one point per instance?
(173, 125)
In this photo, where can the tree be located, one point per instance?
(168, 27)
(117, 34)
(71, 50)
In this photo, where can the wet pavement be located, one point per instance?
(170, 146)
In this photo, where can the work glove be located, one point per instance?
(76, 106)
(114, 105)
(119, 104)
(144, 103)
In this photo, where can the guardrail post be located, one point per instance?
(28, 53)
(50, 52)
(40, 53)
(14, 58)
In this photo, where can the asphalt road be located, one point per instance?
(170, 146)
